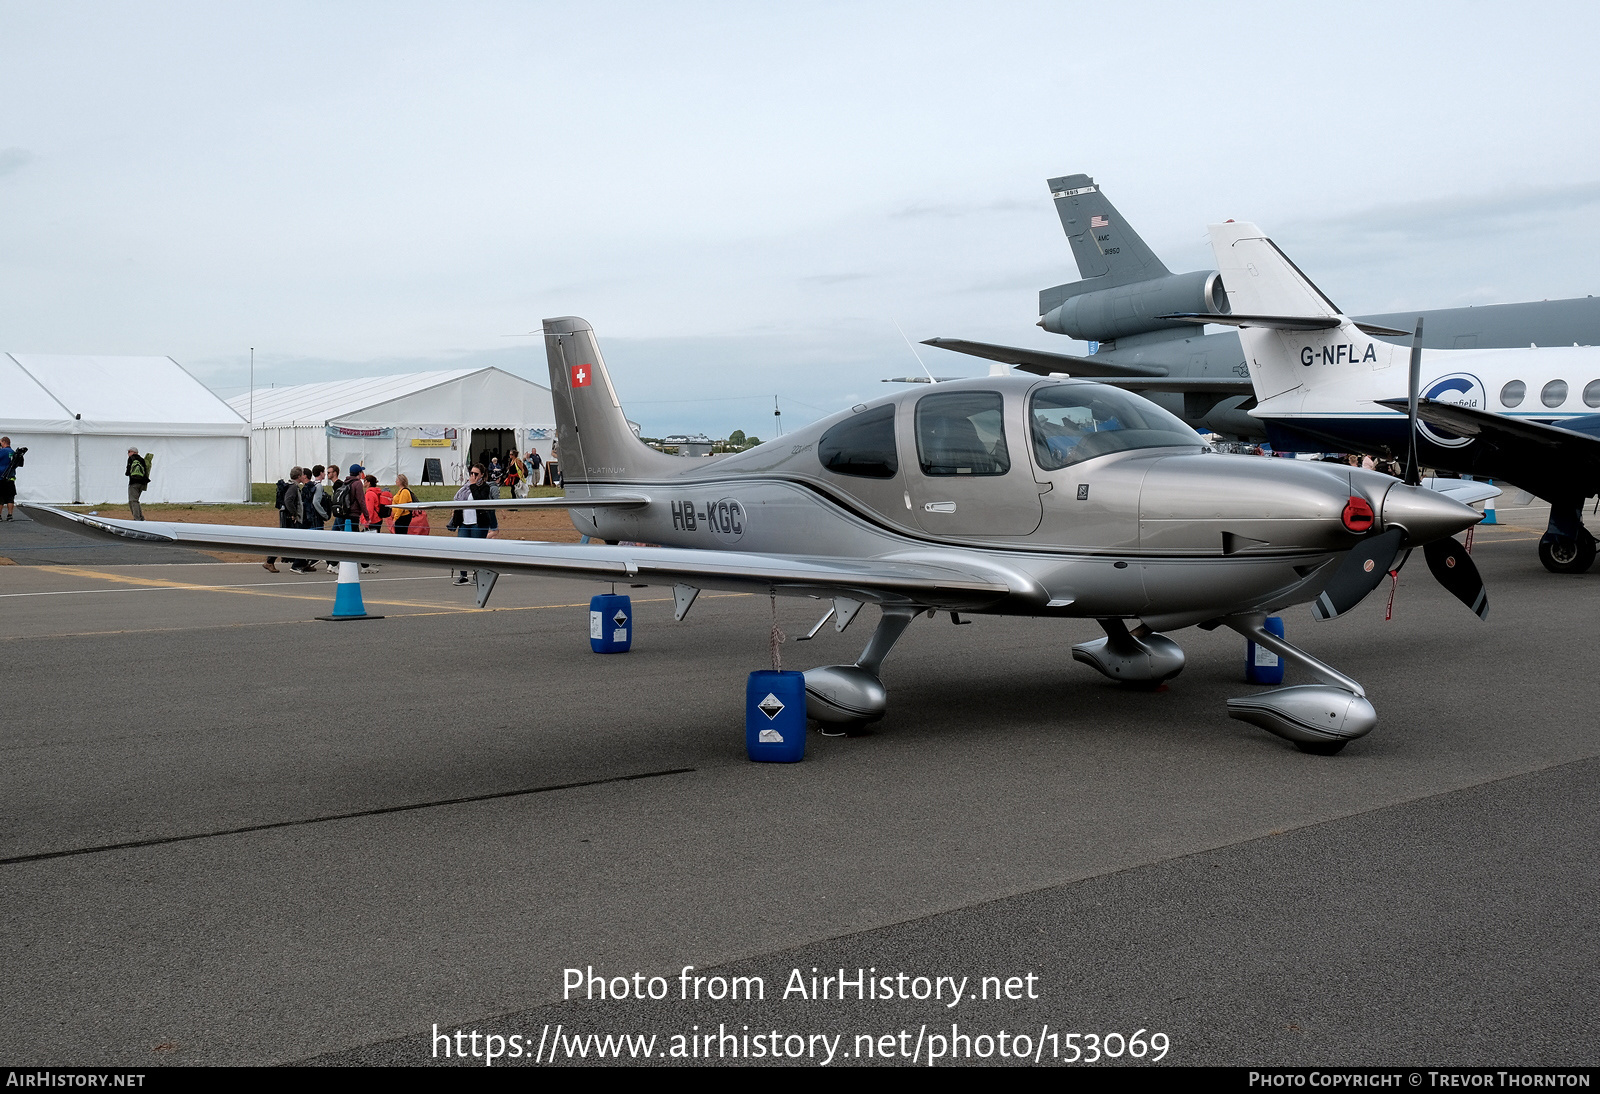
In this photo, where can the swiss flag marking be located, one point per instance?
(580, 375)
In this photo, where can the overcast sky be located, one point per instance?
(745, 198)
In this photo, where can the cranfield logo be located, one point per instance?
(1460, 388)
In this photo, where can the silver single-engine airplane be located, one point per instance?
(1006, 495)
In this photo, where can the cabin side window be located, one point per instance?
(1554, 394)
(1513, 393)
(962, 433)
(1591, 393)
(862, 445)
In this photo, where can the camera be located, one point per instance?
(23, 451)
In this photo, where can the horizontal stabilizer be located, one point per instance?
(1231, 385)
(1043, 362)
(1271, 322)
(1285, 322)
(610, 501)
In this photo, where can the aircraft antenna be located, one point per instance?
(1413, 469)
(777, 414)
(914, 352)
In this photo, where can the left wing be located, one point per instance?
(960, 583)
(1543, 459)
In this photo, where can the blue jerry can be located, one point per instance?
(1261, 665)
(775, 716)
(610, 623)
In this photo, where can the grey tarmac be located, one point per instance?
(1429, 894)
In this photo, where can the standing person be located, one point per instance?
(379, 512)
(350, 501)
(517, 475)
(535, 469)
(138, 472)
(402, 494)
(288, 504)
(10, 458)
(321, 498)
(306, 520)
(473, 523)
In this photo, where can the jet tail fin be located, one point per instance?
(1103, 243)
(597, 445)
(1260, 279)
(1295, 340)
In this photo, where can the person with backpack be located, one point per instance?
(10, 460)
(350, 501)
(290, 506)
(379, 512)
(535, 473)
(138, 472)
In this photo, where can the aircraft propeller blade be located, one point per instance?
(1449, 562)
(1413, 470)
(1362, 570)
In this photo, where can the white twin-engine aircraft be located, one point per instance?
(1007, 495)
(1524, 416)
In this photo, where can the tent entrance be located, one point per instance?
(486, 444)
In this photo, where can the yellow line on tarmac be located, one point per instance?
(75, 571)
(162, 583)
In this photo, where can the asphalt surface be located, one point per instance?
(207, 853)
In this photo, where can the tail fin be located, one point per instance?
(596, 443)
(1104, 244)
(1261, 281)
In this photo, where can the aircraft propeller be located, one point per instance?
(1365, 567)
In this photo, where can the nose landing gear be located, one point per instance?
(1318, 718)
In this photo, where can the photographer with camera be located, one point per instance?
(10, 460)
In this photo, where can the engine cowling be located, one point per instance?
(1104, 315)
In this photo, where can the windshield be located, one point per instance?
(1077, 422)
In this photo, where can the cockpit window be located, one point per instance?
(962, 433)
(862, 445)
(1077, 422)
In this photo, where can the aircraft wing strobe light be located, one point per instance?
(1015, 495)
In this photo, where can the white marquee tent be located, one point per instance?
(79, 415)
(391, 424)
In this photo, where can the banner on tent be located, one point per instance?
(542, 433)
(432, 442)
(382, 434)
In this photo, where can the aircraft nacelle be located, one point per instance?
(1104, 315)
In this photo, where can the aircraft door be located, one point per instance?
(970, 475)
